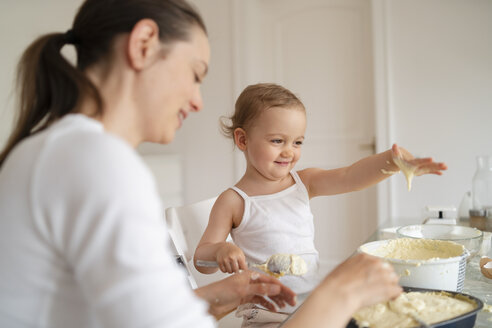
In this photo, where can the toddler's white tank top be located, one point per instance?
(280, 223)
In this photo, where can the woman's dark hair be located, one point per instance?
(49, 87)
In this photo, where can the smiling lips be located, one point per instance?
(182, 116)
(282, 163)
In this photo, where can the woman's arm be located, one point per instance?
(213, 245)
(365, 172)
(360, 281)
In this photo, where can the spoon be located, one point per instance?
(421, 322)
(404, 305)
(284, 264)
(214, 264)
(276, 265)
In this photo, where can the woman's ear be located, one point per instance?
(143, 44)
(240, 138)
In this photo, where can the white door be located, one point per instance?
(320, 50)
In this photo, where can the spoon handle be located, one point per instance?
(421, 322)
(207, 264)
(213, 264)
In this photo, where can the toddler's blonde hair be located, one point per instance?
(254, 100)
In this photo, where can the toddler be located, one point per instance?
(267, 211)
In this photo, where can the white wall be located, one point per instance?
(439, 65)
(208, 156)
(20, 23)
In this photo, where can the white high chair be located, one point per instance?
(186, 225)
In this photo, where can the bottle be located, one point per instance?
(478, 219)
(465, 206)
(482, 184)
(488, 221)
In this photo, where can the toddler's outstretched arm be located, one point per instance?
(213, 245)
(366, 172)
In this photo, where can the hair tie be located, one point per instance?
(69, 37)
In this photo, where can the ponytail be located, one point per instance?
(49, 88)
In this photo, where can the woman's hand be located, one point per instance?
(230, 258)
(419, 166)
(364, 280)
(246, 287)
(360, 281)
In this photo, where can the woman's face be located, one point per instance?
(172, 87)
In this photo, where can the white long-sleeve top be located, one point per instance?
(82, 237)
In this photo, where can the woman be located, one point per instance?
(82, 239)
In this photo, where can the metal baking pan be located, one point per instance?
(466, 320)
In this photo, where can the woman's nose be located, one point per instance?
(196, 102)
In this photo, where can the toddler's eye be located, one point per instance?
(277, 141)
(298, 143)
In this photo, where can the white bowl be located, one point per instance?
(471, 238)
(434, 273)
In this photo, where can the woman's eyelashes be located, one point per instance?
(197, 78)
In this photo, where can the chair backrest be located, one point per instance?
(186, 225)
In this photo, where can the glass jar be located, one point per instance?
(478, 219)
(482, 184)
(488, 222)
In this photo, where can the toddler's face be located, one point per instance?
(274, 141)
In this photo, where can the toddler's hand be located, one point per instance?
(418, 166)
(230, 258)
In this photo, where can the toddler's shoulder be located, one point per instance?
(230, 201)
(229, 204)
(229, 196)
